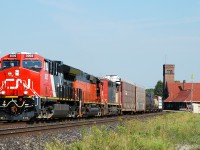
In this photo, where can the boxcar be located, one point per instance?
(140, 99)
(149, 102)
(128, 96)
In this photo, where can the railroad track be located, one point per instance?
(34, 128)
(16, 131)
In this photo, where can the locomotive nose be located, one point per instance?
(15, 82)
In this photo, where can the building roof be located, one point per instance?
(183, 96)
(178, 93)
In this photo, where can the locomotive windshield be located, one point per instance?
(35, 65)
(10, 63)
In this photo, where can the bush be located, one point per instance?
(55, 145)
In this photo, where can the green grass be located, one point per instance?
(55, 145)
(160, 133)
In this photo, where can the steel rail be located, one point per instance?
(19, 130)
(73, 124)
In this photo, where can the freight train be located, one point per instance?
(33, 87)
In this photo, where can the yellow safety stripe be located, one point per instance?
(11, 97)
(15, 97)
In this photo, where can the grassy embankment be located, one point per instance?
(160, 133)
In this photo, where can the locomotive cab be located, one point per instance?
(18, 75)
(24, 60)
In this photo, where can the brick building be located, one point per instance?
(178, 95)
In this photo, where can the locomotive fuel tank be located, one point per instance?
(60, 111)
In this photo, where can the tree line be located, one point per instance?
(158, 90)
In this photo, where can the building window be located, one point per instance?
(169, 72)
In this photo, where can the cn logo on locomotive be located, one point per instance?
(17, 82)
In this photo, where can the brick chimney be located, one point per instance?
(184, 84)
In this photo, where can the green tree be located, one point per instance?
(149, 91)
(159, 88)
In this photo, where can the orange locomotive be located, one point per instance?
(33, 87)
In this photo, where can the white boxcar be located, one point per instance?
(140, 99)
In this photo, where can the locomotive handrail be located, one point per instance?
(1, 88)
(15, 104)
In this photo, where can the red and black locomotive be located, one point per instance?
(33, 87)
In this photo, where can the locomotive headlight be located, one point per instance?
(2, 92)
(16, 72)
(9, 73)
(25, 92)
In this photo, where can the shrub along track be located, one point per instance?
(22, 128)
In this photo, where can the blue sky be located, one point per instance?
(129, 38)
